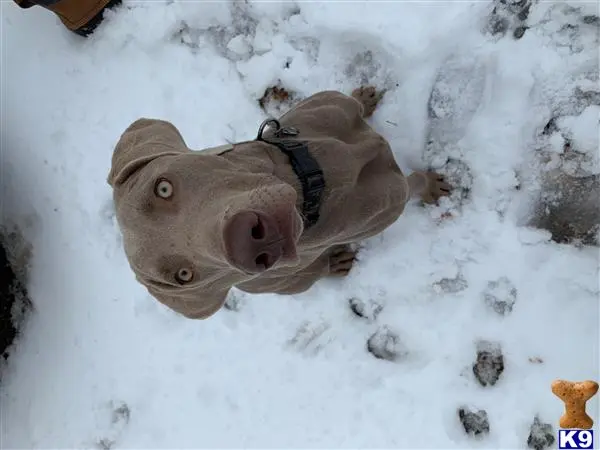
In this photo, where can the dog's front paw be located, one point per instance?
(436, 187)
(370, 97)
(341, 261)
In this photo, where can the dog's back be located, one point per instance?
(365, 189)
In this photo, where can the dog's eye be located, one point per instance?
(163, 189)
(184, 275)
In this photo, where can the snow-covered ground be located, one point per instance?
(102, 364)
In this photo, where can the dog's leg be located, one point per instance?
(429, 185)
(341, 260)
(369, 97)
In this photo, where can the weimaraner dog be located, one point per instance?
(271, 215)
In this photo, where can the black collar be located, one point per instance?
(305, 167)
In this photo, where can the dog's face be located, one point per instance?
(194, 222)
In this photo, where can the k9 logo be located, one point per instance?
(575, 439)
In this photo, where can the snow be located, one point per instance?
(291, 371)
(584, 129)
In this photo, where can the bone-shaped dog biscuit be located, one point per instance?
(575, 394)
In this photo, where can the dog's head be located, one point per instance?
(196, 223)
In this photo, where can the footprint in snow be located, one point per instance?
(500, 295)
(455, 97)
(311, 338)
(277, 100)
(363, 68)
(451, 285)
(386, 344)
(569, 207)
(475, 421)
(489, 363)
(569, 28)
(116, 415)
(365, 309)
(541, 435)
(508, 16)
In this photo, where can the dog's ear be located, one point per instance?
(144, 140)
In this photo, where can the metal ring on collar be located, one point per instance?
(263, 125)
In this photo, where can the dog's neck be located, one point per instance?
(299, 170)
(309, 173)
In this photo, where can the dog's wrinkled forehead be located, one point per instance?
(152, 168)
(167, 221)
(164, 193)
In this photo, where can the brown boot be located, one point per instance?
(80, 16)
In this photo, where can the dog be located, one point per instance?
(197, 223)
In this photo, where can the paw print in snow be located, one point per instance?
(451, 285)
(385, 344)
(311, 339)
(500, 295)
(507, 15)
(119, 414)
(569, 208)
(489, 364)
(474, 421)
(568, 28)
(277, 100)
(367, 309)
(541, 435)
(362, 68)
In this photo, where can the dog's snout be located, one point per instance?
(253, 241)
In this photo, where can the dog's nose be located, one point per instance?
(253, 241)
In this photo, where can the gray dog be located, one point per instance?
(272, 215)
